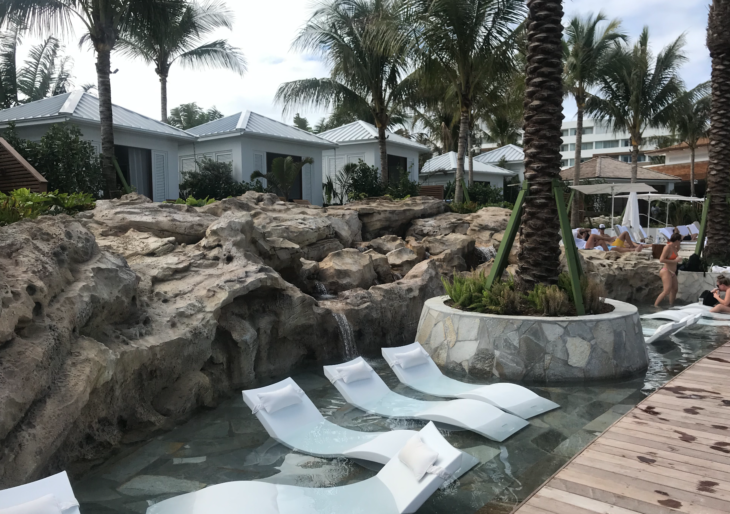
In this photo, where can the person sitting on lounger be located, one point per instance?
(723, 284)
(593, 240)
(670, 258)
(621, 244)
(691, 237)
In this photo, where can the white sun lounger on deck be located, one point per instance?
(52, 495)
(427, 378)
(302, 427)
(394, 490)
(373, 396)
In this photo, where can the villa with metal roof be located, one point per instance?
(358, 141)
(146, 149)
(613, 171)
(512, 158)
(442, 169)
(250, 142)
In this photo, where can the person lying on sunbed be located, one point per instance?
(593, 240)
(621, 244)
(691, 237)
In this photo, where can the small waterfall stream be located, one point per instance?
(348, 338)
(322, 293)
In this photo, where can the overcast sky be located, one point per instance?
(264, 31)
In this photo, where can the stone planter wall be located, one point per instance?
(692, 283)
(537, 349)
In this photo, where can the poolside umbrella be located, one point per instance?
(631, 216)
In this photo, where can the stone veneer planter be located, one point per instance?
(539, 349)
(693, 283)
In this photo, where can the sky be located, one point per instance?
(264, 31)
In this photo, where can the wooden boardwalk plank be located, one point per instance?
(669, 454)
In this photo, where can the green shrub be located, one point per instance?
(214, 180)
(68, 163)
(363, 181)
(404, 188)
(192, 202)
(23, 204)
(464, 208)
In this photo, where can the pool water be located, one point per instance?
(228, 443)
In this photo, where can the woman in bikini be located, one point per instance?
(670, 259)
(723, 284)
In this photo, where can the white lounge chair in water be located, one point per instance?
(669, 329)
(396, 489)
(301, 427)
(415, 368)
(362, 387)
(52, 495)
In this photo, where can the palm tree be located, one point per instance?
(190, 115)
(366, 44)
(103, 21)
(45, 73)
(691, 122)
(181, 40)
(718, 176)
(638, 91)
(585, 50)
(464, 42)
(539, 255)
(284, 172)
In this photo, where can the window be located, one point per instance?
(396, 166)
(587, 131)
(564, 133)
(573, 132)
(606, 144)
(224, 157)
(642, 158)
(571, 162)
(564, 148)
(564, 163)
(586, 146)
(584, 159)
(624, 158)
(626, 142)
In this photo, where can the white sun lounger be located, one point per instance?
(373, 396)
(692, 309)
(427, 378)
(394, 490)
(671, 328)
(49, 495)
(302, 427)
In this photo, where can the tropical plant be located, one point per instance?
(638, 91)
(585, 50)
(539, 255)
(718, 171)
(103, 21)
(182, 39)
(187, 116)
(66, 161)
(463, 42)
(212, 179)
(363, 181)
(301, 123)
(193, 202)
(284, 173)
(691, 122)
(366, 43)
(24, 204)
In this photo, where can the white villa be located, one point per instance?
(359, 141)
(441, 170)
(512, 157)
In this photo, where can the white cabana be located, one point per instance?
(612, 189)
(649, 197)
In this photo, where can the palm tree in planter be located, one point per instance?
(638, 91)
(691, 122)
(366, 43)
(181, 40)
(104, 21)
(718, 172)
(284, 173)
(465, 42)
(585, 50)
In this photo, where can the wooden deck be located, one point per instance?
(670, 454)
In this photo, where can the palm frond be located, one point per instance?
(216, 54)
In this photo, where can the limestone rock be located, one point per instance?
(417, 247)
(381, 266)
(460, 244)
(402, 260)
(630, 277)
(346, 269)
(387, 244)
(321, 249)
(134, 243)
(449, 261)
(441, 225)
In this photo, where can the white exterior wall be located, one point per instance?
(443, 178)
(369, 153)
(684, 156)
(122, 137)
(226, 149)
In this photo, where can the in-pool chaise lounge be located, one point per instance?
(301, 427)
(394, 490)
(52, 495)
(362, 387)
(671, 328)
(415, 368)
(693, 309)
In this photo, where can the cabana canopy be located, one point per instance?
(666, 198)
(612, 189)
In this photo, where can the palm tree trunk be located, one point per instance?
(718, 171)
(383, 155)
(692, 172)
(539, 255)
(471, 160)
(163, 98)
(634, 161)
(575, 214)
(103, 71)
(463, 135)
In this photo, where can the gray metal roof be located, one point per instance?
(447, 162)
(361, 132)
(253, 124)
(82, 106)
(511, 153)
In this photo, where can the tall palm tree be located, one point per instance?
(637, 91)
(182, 40)
(585, 50)
(539, 256)
(45, 73)
(366, 44)
(691, 122)
(718, 172)
(103, 21)
(464, 42)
